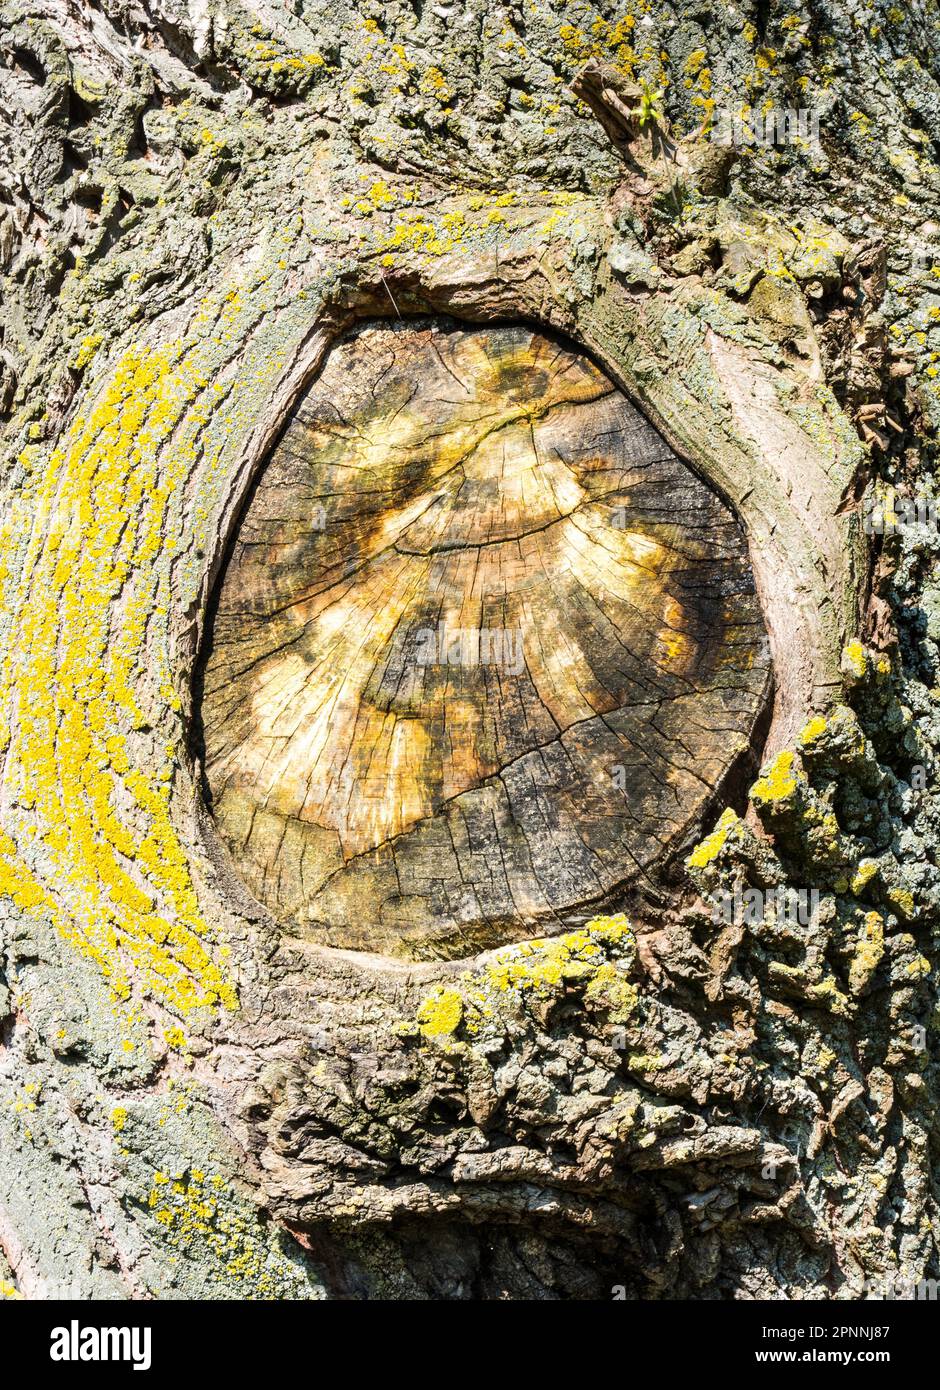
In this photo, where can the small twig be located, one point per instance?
(389, 293)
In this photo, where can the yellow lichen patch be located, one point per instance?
(87, 349)
(868, 952)
(437, 236)
(542, 966)
(24, 1101)
(855, 659)
(828, 994)
(601, 38)
(446, 228)
(864, 873)
(114, 877)
(812, 731)
(201, 1217)
(903, 901)
(709, 848)
(441, 1013)
(8, 1290)
(118, 1118)
(595, 958)
(645, 1061)
(778, 782)
(609, 988)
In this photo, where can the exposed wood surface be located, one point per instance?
(483, 649)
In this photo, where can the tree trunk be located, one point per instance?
(469, 685)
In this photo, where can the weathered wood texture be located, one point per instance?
(484, 647)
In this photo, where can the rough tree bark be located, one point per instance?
(514, 1050)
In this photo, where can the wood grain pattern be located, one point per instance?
(482, 650)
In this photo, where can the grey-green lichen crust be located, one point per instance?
(191, 1106)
